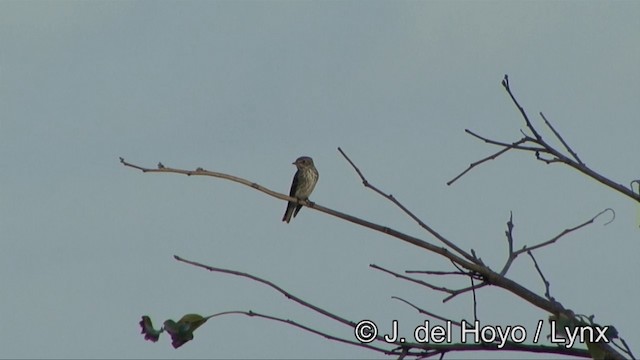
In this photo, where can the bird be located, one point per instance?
(303, 183)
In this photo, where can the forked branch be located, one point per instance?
(472, 265)
(402, 349)
(391, 198)
(543, 151)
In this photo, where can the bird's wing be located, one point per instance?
(294, 185)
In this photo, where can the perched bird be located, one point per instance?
(304, 181)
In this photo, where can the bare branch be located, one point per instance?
(509, 234)
(420, 349)
(428, 313)
(390, 197)
(514, 254)
(505, 84)
(455, 293)
(541, 147)
(474, 266)
(547, 285)
(506, 147)
(416, 281)
(547, 161)
(626, 348)
(564, 143)
(475, 302)
(201, 172)
(510, 346)
(430, 272)
(251, 313)
(317, 332)
(516, 145)
(490, 157)
(273, 286)
(383, 229)
(563, 233)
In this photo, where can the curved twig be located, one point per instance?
(563, 233)
(514, 254)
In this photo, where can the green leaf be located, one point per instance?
(182, 331)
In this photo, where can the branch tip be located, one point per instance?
(613, 212)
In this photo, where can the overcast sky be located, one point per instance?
(247, 87)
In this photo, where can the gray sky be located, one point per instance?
(247, 87)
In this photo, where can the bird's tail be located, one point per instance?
(289, 213)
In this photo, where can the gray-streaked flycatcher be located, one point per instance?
(304, 181)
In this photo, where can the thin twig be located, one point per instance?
(547, 285)
(317, 332)
(428, 313)
(416, 281)
(563, 233)
(469, 273)
(463, 291)
(202, 172)
(390, 197)
(430, 272)
(505, 84)
(564, 143)
(514, 254)
(543, 148)
(514, 145)
(509, 234)
(547, 161)
(490, 157)
(273, 286)
(475, 302)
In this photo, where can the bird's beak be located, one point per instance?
(293, 163)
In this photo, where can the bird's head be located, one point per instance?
(303, 162)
